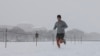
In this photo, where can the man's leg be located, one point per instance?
(64, 41)
(58, 42)
(62, 38)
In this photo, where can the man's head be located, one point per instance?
(59, 17)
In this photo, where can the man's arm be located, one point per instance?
(65, 25)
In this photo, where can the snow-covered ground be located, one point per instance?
(50, 49)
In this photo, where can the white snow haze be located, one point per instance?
(80, 14)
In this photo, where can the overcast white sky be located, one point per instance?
(80, 14)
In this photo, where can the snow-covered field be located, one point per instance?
(50, 49)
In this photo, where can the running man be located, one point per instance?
(61, 26)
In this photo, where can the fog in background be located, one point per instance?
(78, 14)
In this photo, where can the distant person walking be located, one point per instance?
(61, 26)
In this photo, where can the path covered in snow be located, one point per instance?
(50, 49)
